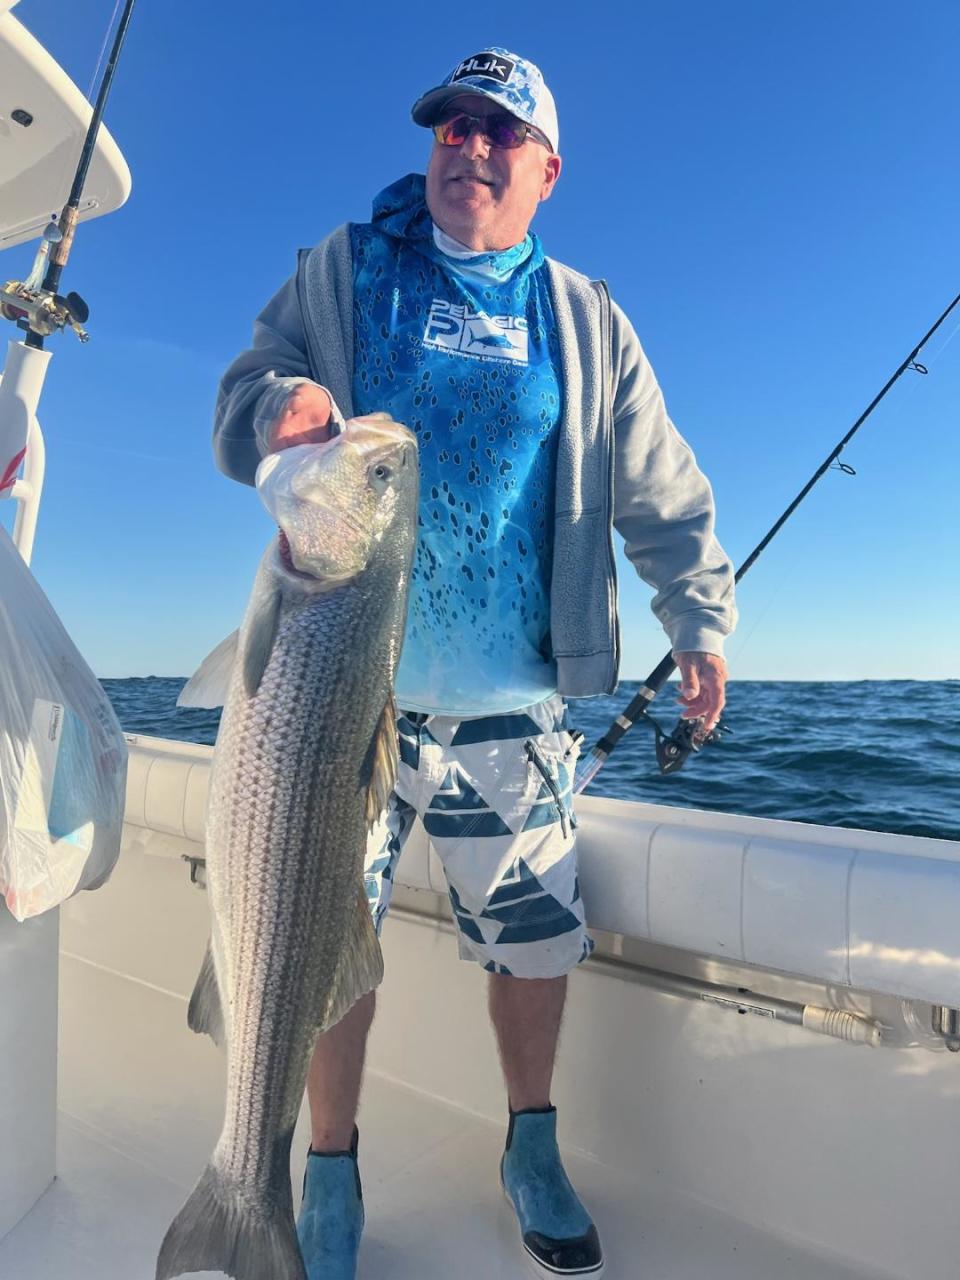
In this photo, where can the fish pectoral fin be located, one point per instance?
(205, 1012)
(360, 968)
(208, 685)
(258, 644)
(382, 762)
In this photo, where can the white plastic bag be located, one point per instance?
(63, 758)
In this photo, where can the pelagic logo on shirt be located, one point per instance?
(457, 328)
(484, 64)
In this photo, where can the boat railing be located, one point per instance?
(855, 913)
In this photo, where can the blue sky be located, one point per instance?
(771, 191)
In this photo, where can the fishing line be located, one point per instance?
(103, 48)
(63, 182)
(901, 399)
(673, 750)
(946, 342)
(764, 610)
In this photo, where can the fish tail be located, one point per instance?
(217, 1231)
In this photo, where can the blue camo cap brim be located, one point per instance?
(504, 77)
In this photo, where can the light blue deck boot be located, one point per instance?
(558, 1235)
(331, 1216)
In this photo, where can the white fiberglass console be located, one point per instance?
(43, 121)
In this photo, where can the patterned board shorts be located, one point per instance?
(495, 794)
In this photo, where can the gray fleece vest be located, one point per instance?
(620, 461)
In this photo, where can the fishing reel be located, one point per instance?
(32, 307)
(688, 737)
(44, 313)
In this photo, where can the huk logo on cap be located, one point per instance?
(484, 64)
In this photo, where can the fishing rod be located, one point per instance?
(35, 304)
(672, 750)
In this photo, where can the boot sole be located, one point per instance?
(541, 1269)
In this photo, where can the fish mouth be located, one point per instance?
(313, 583)
(285, 559)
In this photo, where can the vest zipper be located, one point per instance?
(606, 414)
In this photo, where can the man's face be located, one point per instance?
(483, 196)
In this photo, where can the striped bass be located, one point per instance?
(305, 761)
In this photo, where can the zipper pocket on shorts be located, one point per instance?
(538, 762)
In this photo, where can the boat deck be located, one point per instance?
(141, 1099)
(433, 1209)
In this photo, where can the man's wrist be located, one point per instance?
(694, 638)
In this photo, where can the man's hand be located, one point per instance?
(703, 678)
(305, 420)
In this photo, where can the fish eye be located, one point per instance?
(381, 472)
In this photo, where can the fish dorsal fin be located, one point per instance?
(208, 685)
(383, 761)
(258, 642)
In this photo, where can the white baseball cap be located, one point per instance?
(504, 77)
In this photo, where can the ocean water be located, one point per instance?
(882, 755)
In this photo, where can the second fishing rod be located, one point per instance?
(672, 750)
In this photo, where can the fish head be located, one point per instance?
(337, 501)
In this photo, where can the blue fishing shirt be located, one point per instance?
(465, 353)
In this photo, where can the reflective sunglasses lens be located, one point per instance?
(500, 129)
(505, 131)
(453, 132)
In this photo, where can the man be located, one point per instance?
(541, 426)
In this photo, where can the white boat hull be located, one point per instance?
(706, 1143)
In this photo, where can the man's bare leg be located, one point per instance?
(333, 1082)
(556, 1229)
(526, 1015)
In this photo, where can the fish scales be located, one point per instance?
(296, 715)
(305, 756)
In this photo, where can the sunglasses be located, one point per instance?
(501, 130)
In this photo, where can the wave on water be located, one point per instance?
(877, 754)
